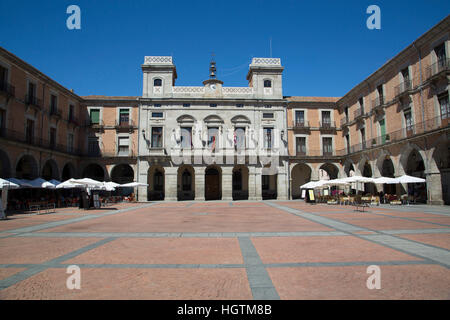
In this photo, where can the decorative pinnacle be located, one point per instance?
(212, 68)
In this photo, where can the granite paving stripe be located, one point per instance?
(346, 263)
(341, 226)
(258, 278)
(419, 231)
(439, 255)
(18, 277)
(49, 225)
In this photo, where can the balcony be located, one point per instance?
(403, 88)
(32, 101)
(438, 70)
(359, 114)
(54, 112)
(378, 104)
(344, 122)
(7, 89)
(125, 125)
(327, 125)
(301, 125)
(21, 137)
(74, 121)
(97, 126)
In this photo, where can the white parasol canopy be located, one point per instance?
(88, 182)
(69, 185)
(41, 183)
(385, 180)
(7, 184)
(337, 182)
(314, 184)
(409, 179)
(133, 184)
(21, 183)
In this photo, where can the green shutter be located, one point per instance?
(95, 116)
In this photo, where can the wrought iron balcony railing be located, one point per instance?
(37, 142)
(441, 67)
(125, 124)
(301, 124)
(55, 112)
(358, 113)
(33, 101)
(403, 88)
(7, 88)
(327, 125)
(378, 103)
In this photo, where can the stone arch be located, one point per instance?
(240, 180)
(50, 170)
(68, 171)
(213, 118)
(406, 151)
(122, 173)
(240, 119)
(331, 169)
(156, 183)
(348, 167)
(27, 167)
(186, 118)
(416, 166)
(300, 174)
(94, 171)
(439, 168)
(186, 182)
(213, 182)
(5, 165)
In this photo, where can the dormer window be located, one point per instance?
(267, 84)
(157, 83)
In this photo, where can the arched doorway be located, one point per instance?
(27, 168)
(330, 169)
(185, 183)
(387, 170)
(213, 179)
(122, 173)
(441, 157)
(240, 183)
(50, 170)
(68, 172)
(415, 166)
(5, 165)
(300, 174)
(367, 172)
(155, 181)
(94, 171)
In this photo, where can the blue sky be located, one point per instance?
(325, 46)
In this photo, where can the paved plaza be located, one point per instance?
(227, 250)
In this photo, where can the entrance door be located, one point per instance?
(212, 184)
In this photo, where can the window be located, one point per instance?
(123, 146)
(267, 84)
(444, 106)
(405, 75)
(157, 105)
(267, 115)
(268, 138)
(53, 104)
(363, 137)
(361, 104)
(124, 116)
(347, 140)
(408, 119)
(300, 145)
(29, 131)
(52, 137)
(93, 146)
(327, 144)
(157, 137)
(31, 93)
(239, 138)
(346, 113)
(94, 116)
(213, 105)
(300, 118)
(186, 137)
(157, 115)
(71, 112)
(3, 78)
(157, 82)
(213, 139)
(186, 105)
(380, 94)
(70, 142)
(326, 118)
(440, 54)
(267, 106)
(186, 180)
(2, 121)
(239, 105)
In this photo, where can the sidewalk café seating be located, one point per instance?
(360, 203)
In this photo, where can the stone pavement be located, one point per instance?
(227, 250)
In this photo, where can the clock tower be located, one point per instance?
(213, 85)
